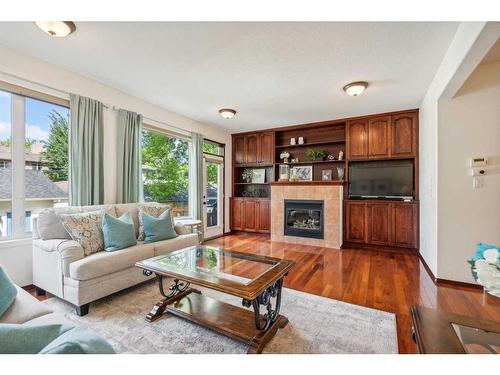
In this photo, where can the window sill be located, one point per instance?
(16, 242)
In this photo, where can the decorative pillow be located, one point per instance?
(181, 229)
(151, 209)
(27, 339)
(8, 292)
(49, 225)
(118, 233)
(158, 228)
(78, 340)
(86, 229)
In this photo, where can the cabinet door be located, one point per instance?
(262, 208)
(266, 148)
(252, 148)
(249, 217)
(356, 222)
(379, 223)
(357, 140)
(404, 135)
(378, 137)
(239, 149)
(405, 225)
(237, 214)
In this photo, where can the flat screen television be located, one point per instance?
(392, 179)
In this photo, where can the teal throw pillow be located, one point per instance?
(119, 233)
(25, 339)
(8, 292)
(158, 228)
(78, 341)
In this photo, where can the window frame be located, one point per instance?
(18, 159)
(172, 134)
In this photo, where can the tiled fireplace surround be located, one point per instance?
(331, 195)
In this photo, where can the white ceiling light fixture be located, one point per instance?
(57, 28)
(227, 113)
(355, 88)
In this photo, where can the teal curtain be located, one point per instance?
(197, 178)
(129, 175)
(86, 152)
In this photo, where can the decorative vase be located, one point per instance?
(340, 173)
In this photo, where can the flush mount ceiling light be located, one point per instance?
(227, 113)
(56, 28)
(355, 88)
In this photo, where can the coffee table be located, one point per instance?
(257, 280)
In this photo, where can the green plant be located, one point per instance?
(316, 154)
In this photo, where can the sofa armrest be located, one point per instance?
(69, 251)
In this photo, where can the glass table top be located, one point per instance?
(207, 261)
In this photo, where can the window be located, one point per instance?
(165, 170)
(33, 152)
(213, 148)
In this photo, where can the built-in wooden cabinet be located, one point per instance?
(357, 139)
(404, 135)
(355, 214)
(384, 137)
(378, 137)
(251, 215)
(257, 148)
(386, 223)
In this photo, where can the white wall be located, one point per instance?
(27, 68)
(465, 37)
(469, 126)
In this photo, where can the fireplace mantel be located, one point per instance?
(308, 183)
(330, 194)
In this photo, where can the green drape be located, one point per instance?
(86, 152)
(129, 175)
(197, 178)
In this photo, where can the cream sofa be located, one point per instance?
(61, 268)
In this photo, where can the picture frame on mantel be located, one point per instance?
(303, 172)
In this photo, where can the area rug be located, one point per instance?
(316, 325)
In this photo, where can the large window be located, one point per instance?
(33, 161)
(165, 169)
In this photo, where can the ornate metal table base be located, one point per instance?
(252, 328)
(178, 290)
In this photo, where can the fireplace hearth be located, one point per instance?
(304, 218)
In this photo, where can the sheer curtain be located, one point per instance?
(86, 152)
(129, 165)
(197, 178)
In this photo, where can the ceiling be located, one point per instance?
(273, 74)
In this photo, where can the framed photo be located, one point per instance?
(303, 173)
(326, 174)
(259, 176)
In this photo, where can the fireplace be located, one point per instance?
(304, 218)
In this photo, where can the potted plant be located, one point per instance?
(316, 154)
(485, 268)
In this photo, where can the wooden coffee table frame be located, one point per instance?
(250, 327)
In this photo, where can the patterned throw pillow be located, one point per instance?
(86, 229)
(151, 209)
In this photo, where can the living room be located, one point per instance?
(249, 187)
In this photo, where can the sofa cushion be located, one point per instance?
(24, 308)
(86, 229)
(8, 292)
(133, 210)
(119, 233)
(158, 228)
(23, 339)
(49, 225)
(152, 209)
(78, 340)
(180, 242)
(104, 262)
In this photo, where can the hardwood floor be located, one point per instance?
(382, 280)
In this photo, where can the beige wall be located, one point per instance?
(469, 126)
